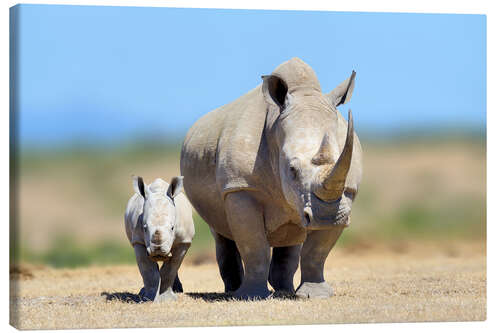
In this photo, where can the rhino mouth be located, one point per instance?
(319, 214)
(325, 222)
(161, 256)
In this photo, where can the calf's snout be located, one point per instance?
(156, 239)
(158, 252)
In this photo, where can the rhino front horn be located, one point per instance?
(334, 180)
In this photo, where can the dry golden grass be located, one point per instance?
(386, 283)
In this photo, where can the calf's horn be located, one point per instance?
(334, 180)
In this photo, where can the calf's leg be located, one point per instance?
(315, 249)
(168, 272)
(150, 274)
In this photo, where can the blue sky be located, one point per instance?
(110, 74)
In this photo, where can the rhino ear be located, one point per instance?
(275, 89)
(342, 94)
(175, 186)
(139, 186)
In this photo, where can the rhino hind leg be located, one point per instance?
(229, 261)
(313, 255)
(177, 288)
(284, 264)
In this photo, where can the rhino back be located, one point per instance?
(225, 143)
(220, 154)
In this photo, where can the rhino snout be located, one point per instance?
(324, 215)
(158, 247)
(156, 238)
(158, 252)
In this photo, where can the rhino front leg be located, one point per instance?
(246, 222)
(150, 274)
(284, 264)
(312, 261)
(168, 272)
(229, 261)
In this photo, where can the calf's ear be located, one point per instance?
(275, 90)
(138, 186)
(175, 187)
(342, 94)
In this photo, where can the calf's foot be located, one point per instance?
(314, 290)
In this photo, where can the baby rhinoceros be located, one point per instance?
(159, 225)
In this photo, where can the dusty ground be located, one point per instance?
(397, 283)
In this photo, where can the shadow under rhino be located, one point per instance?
(218, 297)
(210, 297)
(122, 297)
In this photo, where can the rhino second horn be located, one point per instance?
(334, 181)
(324, 154)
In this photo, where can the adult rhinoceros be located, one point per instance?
(278, 167)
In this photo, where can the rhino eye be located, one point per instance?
(293, 172)
(172, 228)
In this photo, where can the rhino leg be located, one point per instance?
(312, 261)
(284, 264)
(150, 274)
(246, 222)
(177, 285)
(229, 261)
(168, 272)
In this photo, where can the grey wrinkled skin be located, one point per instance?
(277, 168)
(159, 225)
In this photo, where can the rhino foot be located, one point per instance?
(251, 293)
(147, 295)
(314, 290)
(167, 296)
(284, 294)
